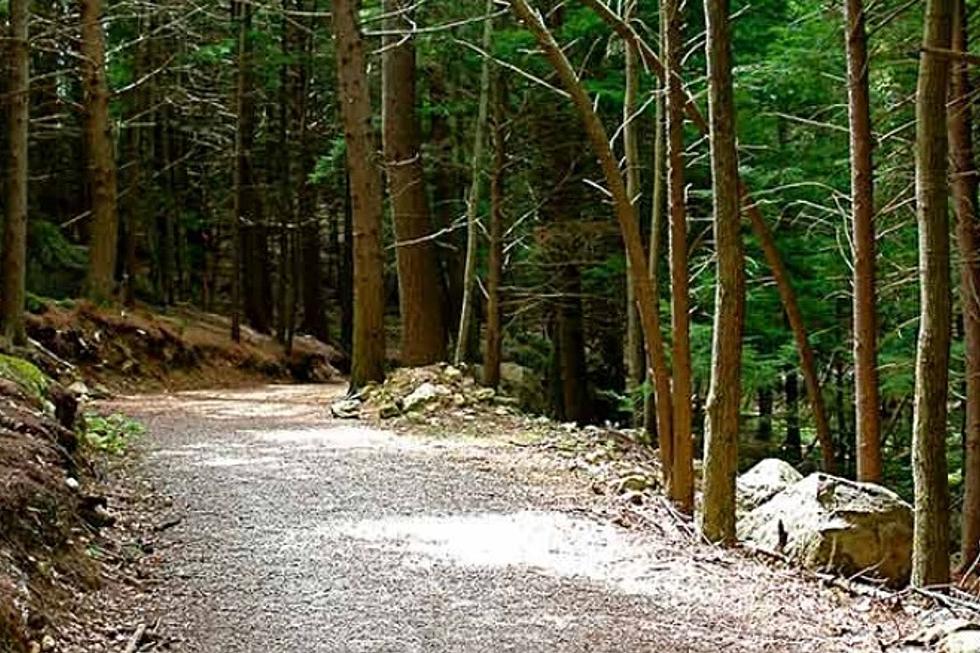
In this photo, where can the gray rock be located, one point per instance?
(346, 409)
(831, 524)
(423, 394)
(765, 480)
(962, 641)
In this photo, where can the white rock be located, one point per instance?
(424, 394)
(764, 481)
(72, 483)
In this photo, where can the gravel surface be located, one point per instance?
(303, 533)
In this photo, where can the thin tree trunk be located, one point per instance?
(368, 356)
(473, 199)
(423, 336)
(656, 231)
(495, 259)
(964, 182)
(724, 394)
(101, 157)
(623, 205)
(930, 551)
(786, 293)
(635, 367)
(763, 431)
(241, 15)
(682, 472)
(867, 420)
(13, 266)
(792, 444)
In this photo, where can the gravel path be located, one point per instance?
(302, 533)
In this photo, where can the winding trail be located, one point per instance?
(304, 533)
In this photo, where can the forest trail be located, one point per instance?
(304, 533)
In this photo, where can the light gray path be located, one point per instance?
(303, 533)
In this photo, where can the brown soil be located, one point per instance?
(136, 350)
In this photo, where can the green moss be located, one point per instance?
(24, 374)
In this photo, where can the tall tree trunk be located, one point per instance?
(930, 552)
(724, 394)
(624, 208)
(423, 337)
(657, 215)
(101, 157)
(768, 244)
(792, 443)
(240, 16)
(764, 428)
(473, 199)
(635, 367)
(964, 181)
(682, 474)
(13, 267)
(368, 356)
(495, 258)
(867, 420)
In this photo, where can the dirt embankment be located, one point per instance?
(132, 350)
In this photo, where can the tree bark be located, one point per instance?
(495, 258)
(101, 157)
(423, 337)
(724, 393)
(768, 244)
(682, 471)
(368, 356)
(13, 267)
(964, 182)
(473, 199)
(635, 367)
(624, 208)
(865, 327)
(930, 552)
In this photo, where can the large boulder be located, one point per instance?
(762, 482)
(827, 523)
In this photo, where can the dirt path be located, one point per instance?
(302, 533)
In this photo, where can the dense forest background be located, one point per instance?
(233, 187)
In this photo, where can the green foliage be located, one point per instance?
(110, 434)
(25, 374)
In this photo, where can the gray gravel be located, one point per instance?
(302, 533)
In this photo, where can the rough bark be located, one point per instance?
(240, 15)
(473, 199)
(495, 257)
(930, 555)
(964, 183)
(682, 472)
(13, 266)
(766, 241)
(724, 393)
(423, 336)
(624, 209)
(635, 367)
(101, 162)
(368, 355)
(865, 327)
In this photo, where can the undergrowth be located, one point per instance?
(110, 433)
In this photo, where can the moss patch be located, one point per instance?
(28, 377)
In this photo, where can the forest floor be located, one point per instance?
(267, 525)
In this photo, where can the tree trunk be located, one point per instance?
(13, 267)
(682, 472)
(241, 16)
(786, 293)
(656, 236)
(368, 356)
(792, 444)
(724, 394)
(472, 201)
(423, 336)
(867, 421)
(964, 181)
(495, 258)
(635, 367)
(930, 552)
(101, 157)
(623, 206)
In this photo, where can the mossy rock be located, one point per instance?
(25, 374)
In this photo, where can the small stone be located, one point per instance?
(34, 647)
(48, 643)
(388, 410)
(72, 483)
(346, 409)
(452, 373)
